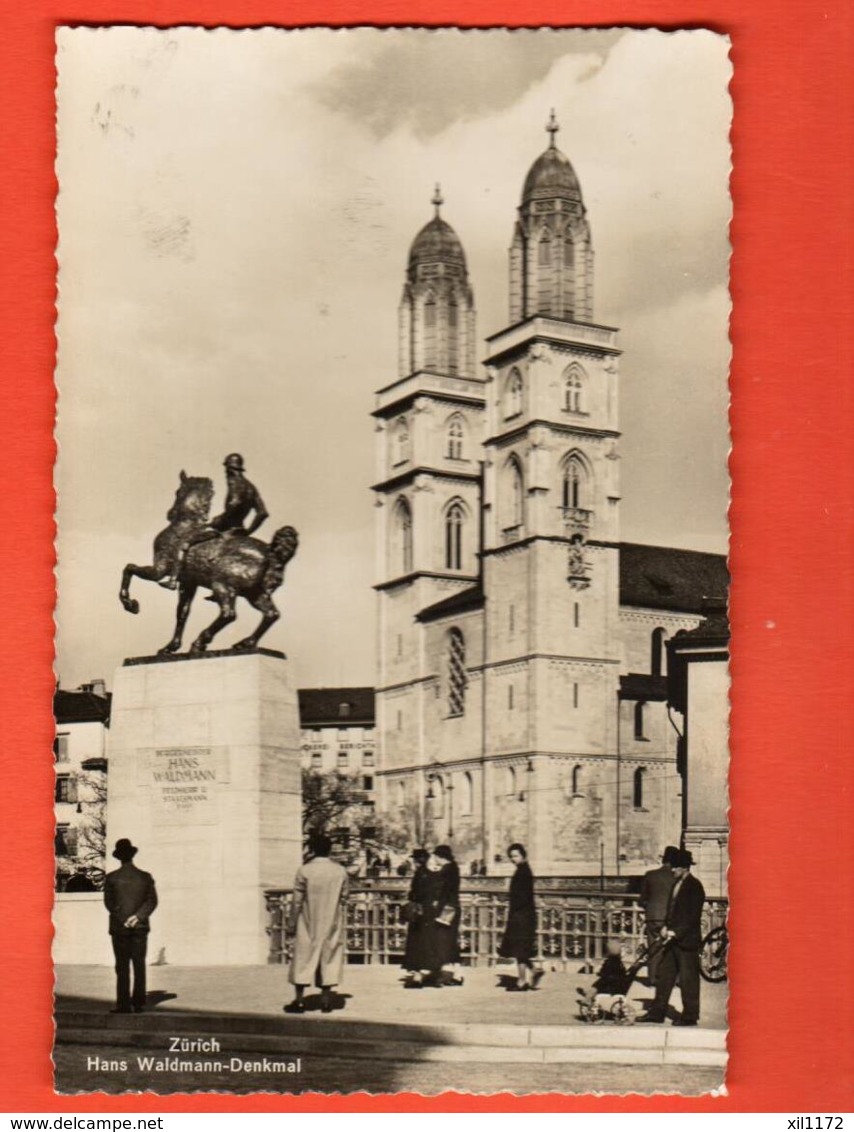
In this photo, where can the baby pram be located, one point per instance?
(616, 1007)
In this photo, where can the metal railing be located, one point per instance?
(571, 927)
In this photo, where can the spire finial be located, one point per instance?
(438, 200)
(552, 128)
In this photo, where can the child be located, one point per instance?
(610, 983)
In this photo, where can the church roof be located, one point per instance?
(664, 577)
(437, 242)
(353, 707)
(80, 707)
(461, 602)
(551, 176)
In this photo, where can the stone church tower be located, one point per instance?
(521, 694)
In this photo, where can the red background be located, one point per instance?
(792, 964)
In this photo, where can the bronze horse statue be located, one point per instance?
(230, 565)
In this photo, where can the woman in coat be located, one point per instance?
(416, 899)
(520, 934)
(434, 944)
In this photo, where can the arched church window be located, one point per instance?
(637, 788)
(544, 250)
(401, 441)
(430, 332)
(437, 790)
(516, 493)
(511, 781)
(513, 394)
(457, 675)
(574, 483)
(568, 252)
(467, 794)
(403, 536)
(456, 436)
(656, 660)
(454, 520)
(576, 780)
(640, 719)
(452, 335)
(573, 390)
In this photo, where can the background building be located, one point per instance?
(82, 717)
(522, 663)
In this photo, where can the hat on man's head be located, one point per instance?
(124, 850)
(684, 859)
(443, 852)
(419, 854)
(670, 854)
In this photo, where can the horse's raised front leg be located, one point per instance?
(185, 600)
(271, 615)
(147, 573)
(226, 616)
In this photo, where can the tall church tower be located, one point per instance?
(429, 431)
(551, 531)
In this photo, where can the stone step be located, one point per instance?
(299, 1036)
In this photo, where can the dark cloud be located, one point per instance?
(429, 80)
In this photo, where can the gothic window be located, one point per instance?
(574, 483)
(467, 794)
(437, 788)
(637, 788)
(576, 780)
(456, 436)
(454, 520)
(515, 488)
(452, 335)
(573, 390)
(511, 781)
(430, 333)
(544, 250)
(401, 441)
(640, 712)
(457, 675)
(403, 536)
(657, 657)
(568, 253)
(513, 394)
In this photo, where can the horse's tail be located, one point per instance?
(283, 545)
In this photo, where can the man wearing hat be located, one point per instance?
(656, 887)
(242, 497)
(130, 897)
(682, 932)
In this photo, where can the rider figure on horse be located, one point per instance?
(242, 498)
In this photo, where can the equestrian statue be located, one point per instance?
(218, 554)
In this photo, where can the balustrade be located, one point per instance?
(571, 927)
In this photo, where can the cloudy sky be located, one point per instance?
(235, 211)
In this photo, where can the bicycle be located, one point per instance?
(713, 954)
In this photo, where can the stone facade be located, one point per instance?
(521, 689)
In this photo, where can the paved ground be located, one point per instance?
(371, 993)
(338, 1076)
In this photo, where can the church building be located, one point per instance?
(521, 691)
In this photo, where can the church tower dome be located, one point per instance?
(437, 317)
(551, 257)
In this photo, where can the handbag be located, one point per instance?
(446, 916)
(411, 911)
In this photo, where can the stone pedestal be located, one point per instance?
(204, 777)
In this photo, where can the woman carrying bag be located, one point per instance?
(435, 941)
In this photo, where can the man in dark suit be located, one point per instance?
(130, 897)
(681, 957)
(655, 890)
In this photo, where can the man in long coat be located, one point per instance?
(656, 887)
(318, 921)
(681, 958)
(130, 898)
